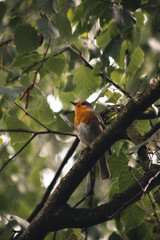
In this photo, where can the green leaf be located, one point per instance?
(25, 80)
(11, 93)
(17, 137)
(77, 233)
(86, 83)
(137, 147)
(56, 82)
(113, 190)
(112, 97)
(118, 76)
(25, 38)
(132, 217)
(126, 178)
(15, 21)
(143, 126)
(69, 84)
(3, 77)
(143, 231)
(122, 17)
(47, 28)
(47, 6)
(117, 147)
(114, 236)
(136, 37)
(116, 163)
(63, 25)
(124, 47)
(113, 47)
(139, 19)
(78, 14)
(66, 97)
(55, 65)
(43, 113)
(103, 39)
(136, 61)
(97, 69)
(22, 60)
(3, 9)
(144, 1)
(107, 35)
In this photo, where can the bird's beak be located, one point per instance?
(73, 103)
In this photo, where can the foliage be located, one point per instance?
(64, 51)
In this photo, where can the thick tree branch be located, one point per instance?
(111, 209)
(41, 225)
(67, 217)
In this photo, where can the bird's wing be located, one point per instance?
(98, 116)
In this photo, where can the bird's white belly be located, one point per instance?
(87, 133)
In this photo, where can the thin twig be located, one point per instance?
(52, 184)
(54, 235)
(48, 130)
(20, 150)
(63, 116)
(6, 42)
(136, 179)
(148, 213)
(39, 132)
(44, 57)
(82, 200)
(32, 117)
(153, 206)
(141, 192)
(90, 192)
(86, 233)
(92, 185)
(29, 89)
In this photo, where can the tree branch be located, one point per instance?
(111, 209)
(20, 150)
(6, 42)
(39, 132)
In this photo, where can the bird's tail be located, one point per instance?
(104, 169)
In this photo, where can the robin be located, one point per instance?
(89, 124)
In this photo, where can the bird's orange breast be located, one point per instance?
(84, 115)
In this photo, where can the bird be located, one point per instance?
(89, 124)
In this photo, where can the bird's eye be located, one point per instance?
(83, 103)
